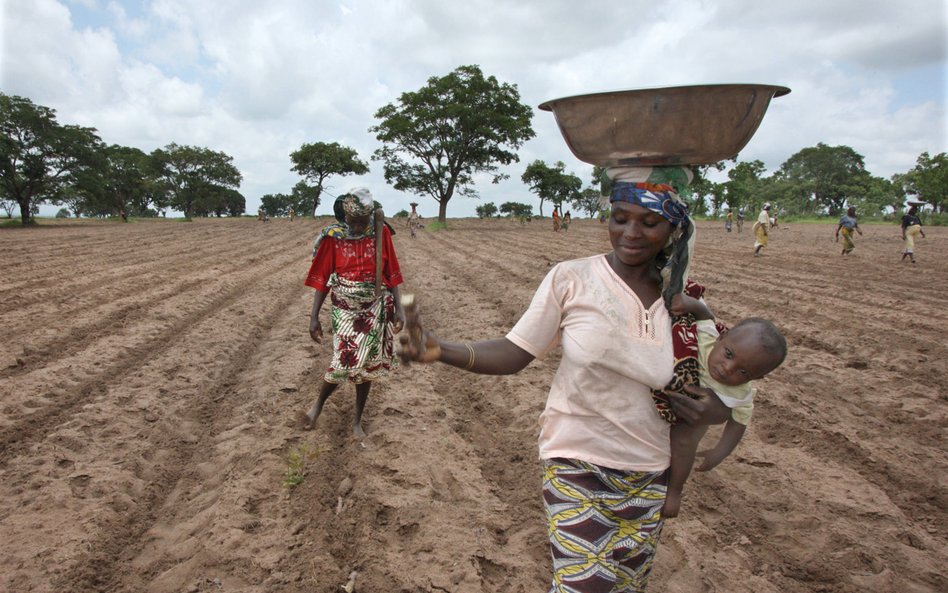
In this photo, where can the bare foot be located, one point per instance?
(357, 431)
(304, 422)
(671, 506)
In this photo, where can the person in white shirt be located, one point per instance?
(605, 450)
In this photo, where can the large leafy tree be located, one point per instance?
(39, 157)
(826, 177)
(319, 161)
(189, 174)
(517, 209)
(436, 139)
(304, 197)
(121, 184)
(276, 204)
(929, 180)
(487, 210)
(589, 201)
(552, 183)
(743, 187)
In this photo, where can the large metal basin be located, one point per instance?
(684, 125)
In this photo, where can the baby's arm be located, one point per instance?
(682, 303)
(733, 433)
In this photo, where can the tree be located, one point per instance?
(62, 213)
(551, 183)
(742, 189)
(318, 161)
(190, 173)
(516, 209)
(436, 139)
(929, 180)
(121, 184)
(880, 195)
(487, 210)
(276, 204)
(8, 206)
(827, 177)
(589, 201)
(38, 156)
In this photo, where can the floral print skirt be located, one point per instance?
(363, 337)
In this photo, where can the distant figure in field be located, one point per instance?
(567, 218)
(262, 215)
(848, 224)
(728, 221)
(556, 220)
(911, 230)
(762, 229)
(727, 361)
(363, 324)
(292, 214)
(773, 221)
(414, 221)
(740, 220)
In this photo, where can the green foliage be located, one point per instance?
(928, 180)
(552, 183)
(516, 209)
(487, 210)
(589, 201)
(825, 177)
(437, 225)
(401, 214)
(39, 157)
(276, 204)
(62, 213)
(189, 176)
(436, 139)
(936, 219)
(317, 162)
(297, 461)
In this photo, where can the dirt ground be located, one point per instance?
(149, 371)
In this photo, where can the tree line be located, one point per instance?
(434, 143)
(44, 161)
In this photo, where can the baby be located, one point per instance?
(727, 363)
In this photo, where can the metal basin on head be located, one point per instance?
(683, 125)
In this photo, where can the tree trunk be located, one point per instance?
(316, 201)
(443, 212)
(541, 207)
(25, 216)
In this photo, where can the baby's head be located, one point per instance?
(750, 350)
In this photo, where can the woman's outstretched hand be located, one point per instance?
(426, 350)
(417, 344)
(706, 409)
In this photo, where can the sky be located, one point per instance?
(256, 80)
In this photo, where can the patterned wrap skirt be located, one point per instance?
(848, 244)
(911, 234)
(603, 526)
(761, 238)
(362, 332)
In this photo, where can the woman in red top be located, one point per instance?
(363, 324)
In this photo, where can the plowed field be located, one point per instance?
(149, 373)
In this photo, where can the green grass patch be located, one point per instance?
(436, 226)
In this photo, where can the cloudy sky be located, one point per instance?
(257, 79)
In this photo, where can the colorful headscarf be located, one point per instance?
(352, 202)
(358, 202)
(660, 189)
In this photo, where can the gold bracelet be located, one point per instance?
(470, 359)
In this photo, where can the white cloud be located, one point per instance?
(257, 80)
